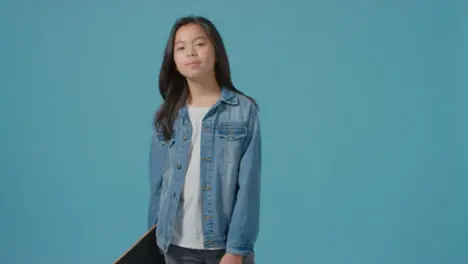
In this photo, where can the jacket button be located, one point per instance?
(178, 165)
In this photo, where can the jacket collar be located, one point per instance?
(227, 96)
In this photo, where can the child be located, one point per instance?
(205, 156)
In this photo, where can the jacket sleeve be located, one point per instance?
(157, 160)
(244, 224)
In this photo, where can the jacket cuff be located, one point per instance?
(243, 250)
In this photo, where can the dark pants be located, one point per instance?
(179, 255)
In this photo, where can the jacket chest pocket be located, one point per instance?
(231, 131)
(231, 137)
(165, 142)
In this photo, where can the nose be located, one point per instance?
(191, 52)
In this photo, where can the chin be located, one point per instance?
(194, 75)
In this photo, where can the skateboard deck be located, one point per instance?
(143, 251)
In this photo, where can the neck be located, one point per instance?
(203, 92)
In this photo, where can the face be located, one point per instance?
(194, 54)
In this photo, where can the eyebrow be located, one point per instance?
(197, 38)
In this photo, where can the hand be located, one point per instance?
(229, 258)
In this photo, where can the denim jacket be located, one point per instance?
(230, 175)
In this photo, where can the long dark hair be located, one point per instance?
(173, 86)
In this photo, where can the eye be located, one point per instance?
(201, 44)
(180, 48)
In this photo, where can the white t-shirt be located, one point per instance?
(187, 229)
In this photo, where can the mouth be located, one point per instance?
(193, 63)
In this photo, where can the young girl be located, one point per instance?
(205, 156)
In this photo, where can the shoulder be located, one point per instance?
(238, 108)
(250, 115)
(248, 105)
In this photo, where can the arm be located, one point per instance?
(244, 225)
(157, 159)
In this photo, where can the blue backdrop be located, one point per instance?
(363, 109)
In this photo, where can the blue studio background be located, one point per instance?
(364, 118)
